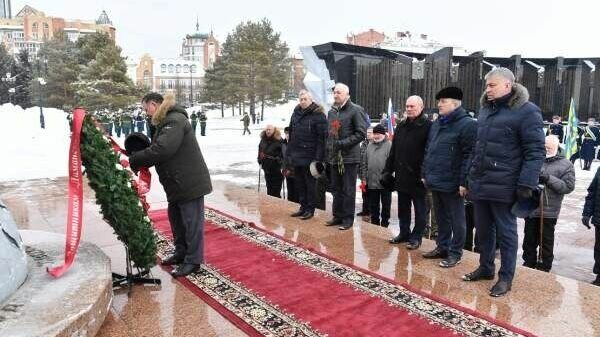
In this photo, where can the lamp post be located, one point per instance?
(42, 82)
(192, 70)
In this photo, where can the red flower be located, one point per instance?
(335, 127)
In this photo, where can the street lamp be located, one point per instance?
(192, 70)
(42, 82)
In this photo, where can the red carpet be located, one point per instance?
(268, 286)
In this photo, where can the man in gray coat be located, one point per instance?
(558, 176)
(183, 173)
(372, 166)
(347, 128)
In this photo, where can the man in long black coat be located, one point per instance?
(347, 128)
(404, 163)
(308, 127)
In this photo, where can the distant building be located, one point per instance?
(370, 38)
(200, 47)
(401, 41)
(30, 28)
(180, 77)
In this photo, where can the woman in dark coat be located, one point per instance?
(270, 158)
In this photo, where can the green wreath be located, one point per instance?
(119, 203)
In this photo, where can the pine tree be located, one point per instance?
(6, 66)
(103, 83)
(255, 66)
(61, 72)
(23, 74)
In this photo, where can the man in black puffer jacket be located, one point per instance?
(308, 127)
(184, 175)
(505, 168)
(591, 211)
(270, 158)
(404, 162)
(347, 128)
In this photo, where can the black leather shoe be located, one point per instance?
(385, 224)
(333, 222)
(363, 213)
(398, 239)
(173, 259)
(297, 214)
(477, 275)
(307, 215)
(344, 227)
(500, 288)
(597, 281)
(413, 245)
(437, 253)
(450, 262)
(185, 269)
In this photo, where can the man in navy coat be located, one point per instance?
(505, 168)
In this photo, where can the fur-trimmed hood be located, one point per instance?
(518, 96)
(276, 134)
(312, 108)
(167, 105)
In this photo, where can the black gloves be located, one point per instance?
(524, 193)
(544, 177)
(387, 180)
(585, 220)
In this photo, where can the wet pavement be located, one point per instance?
(545, 304)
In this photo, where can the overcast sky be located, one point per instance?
(531, 28)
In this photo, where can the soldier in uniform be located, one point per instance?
(589, 142)
(556, 128)
(118, 125)
(194, 118)
(126, 121)
(202, 117)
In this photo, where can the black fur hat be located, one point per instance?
(450, 92)
(135, 142)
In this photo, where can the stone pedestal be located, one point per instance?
(72, 305)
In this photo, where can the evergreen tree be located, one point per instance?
(61, 72)
(23, 74)
(103, 83)
(6, 66)
(255, 66)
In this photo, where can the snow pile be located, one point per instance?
(28, 151)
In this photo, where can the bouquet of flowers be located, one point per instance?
(335, 133)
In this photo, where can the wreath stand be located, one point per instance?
(130, 279)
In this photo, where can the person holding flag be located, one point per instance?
(391, 121)
(572, 133)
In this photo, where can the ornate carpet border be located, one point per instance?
(461, 320)
(257, 312)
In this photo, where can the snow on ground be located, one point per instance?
(30, 152)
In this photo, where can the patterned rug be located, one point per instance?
(268, 286)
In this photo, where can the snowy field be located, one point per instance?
(30, 152)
